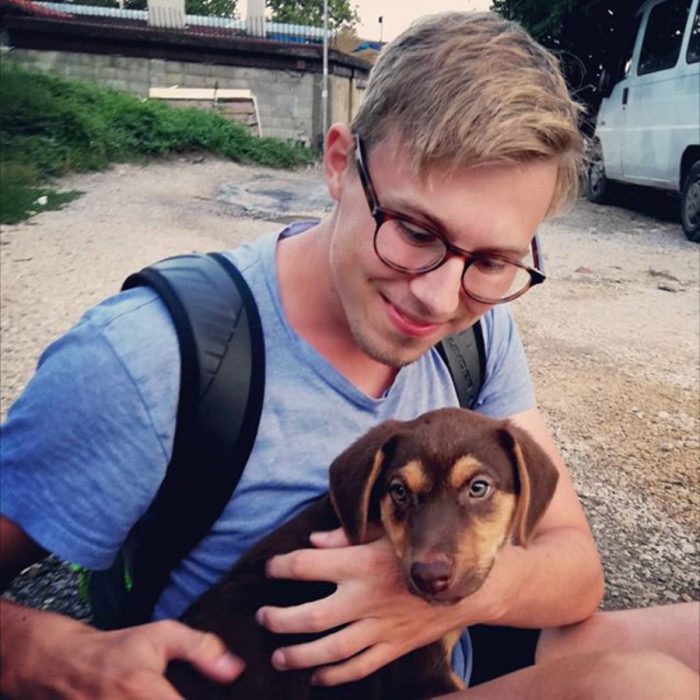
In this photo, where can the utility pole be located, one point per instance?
(381, 28)
(324, 87)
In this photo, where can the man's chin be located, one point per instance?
(394, 355)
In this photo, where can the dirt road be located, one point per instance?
(612, 337)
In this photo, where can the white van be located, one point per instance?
(648, 127)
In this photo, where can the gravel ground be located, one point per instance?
(612, 338)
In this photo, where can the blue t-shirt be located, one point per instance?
(86, 445)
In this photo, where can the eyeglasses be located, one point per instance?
(413, 247)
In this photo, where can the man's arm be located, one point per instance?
(557, 580)
(43, 654)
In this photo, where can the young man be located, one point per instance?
(466, 140)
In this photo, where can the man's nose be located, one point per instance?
(440, 290)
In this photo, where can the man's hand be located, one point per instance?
(383, 620)
(45, 655)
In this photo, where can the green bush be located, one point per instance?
(51, 125)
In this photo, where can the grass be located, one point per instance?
(50, 126)
(21, 196)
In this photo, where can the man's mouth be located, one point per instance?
(409, 325)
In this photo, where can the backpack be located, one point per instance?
(220, 402)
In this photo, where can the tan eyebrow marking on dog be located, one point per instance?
(463, 470)
(413, 473)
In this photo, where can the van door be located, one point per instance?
(612, 114)
(658, 99)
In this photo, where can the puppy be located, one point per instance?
(450, 489)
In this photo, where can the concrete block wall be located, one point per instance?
(288, 101)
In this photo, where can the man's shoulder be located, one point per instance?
(507, 387)
(253, 256)
(498, 328)
(135, 320)
(129, 335)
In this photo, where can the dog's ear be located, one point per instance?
(353, 476)
(537, 478)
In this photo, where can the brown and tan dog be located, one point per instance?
(450, 488)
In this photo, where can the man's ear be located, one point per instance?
(354, 475)
(337, 155)
(536, 476)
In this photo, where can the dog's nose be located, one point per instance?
(431, 577)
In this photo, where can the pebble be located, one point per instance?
(663, 273)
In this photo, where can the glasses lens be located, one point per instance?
(494, 279)
(403, 245)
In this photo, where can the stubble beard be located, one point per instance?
(395, 357)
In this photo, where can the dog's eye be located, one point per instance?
(479, 488)
(398, 492)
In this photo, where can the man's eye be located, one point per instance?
(415, 236)
(480, 488)
(491, 265)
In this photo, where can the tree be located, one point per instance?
(211, 8)
(587, 35)
(310, 12)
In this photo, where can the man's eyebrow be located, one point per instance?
(434, 222)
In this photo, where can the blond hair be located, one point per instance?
(461, 89)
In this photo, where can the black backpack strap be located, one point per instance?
(465, 356)
(221, 396)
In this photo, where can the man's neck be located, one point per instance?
(315, 313)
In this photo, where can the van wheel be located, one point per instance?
(597, 184)
(690, 204)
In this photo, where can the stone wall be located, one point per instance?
(286, 80)
(288, 102)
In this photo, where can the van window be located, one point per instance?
(663, 36)
(693, 53)
(629, 41)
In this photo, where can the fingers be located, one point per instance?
(334, 564)
(366, 600)
(355, 668)
(54, 656)
(205, 651)
(307, 565)
(335, 647)
(315, 616)
(355, 570)
(334, 538)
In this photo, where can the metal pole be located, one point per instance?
(324, 87)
